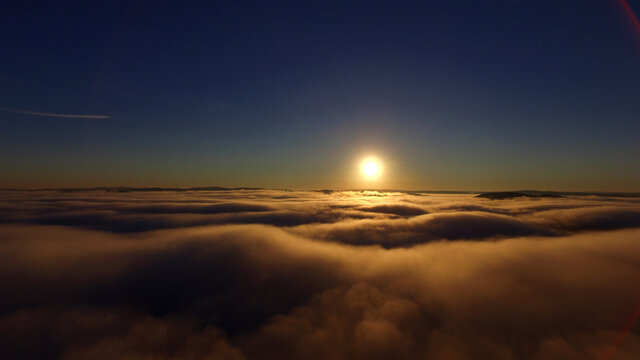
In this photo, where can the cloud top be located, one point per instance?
(265, 274)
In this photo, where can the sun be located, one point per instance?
(371, 168)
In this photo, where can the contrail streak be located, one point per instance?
(68, 116)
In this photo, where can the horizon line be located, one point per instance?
(223, 188)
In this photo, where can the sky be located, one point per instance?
(450, 95)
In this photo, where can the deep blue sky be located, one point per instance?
(450, 94)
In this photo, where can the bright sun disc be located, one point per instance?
(371, 168)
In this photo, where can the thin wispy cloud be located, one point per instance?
(56, 115)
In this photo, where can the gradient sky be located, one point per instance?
(452, 95)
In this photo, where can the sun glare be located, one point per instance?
(371, 168)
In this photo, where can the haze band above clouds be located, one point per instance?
(306, 275)
(57, 115)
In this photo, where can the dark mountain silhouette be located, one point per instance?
(502, 195)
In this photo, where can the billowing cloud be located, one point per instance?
(422, 229)
(402, 210)
(305, 275)
(594, 218)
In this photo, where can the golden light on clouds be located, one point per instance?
(376, 272)
(371, 168)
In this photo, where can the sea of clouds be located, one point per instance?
(269, 274)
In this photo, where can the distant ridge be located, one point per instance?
(124, 189)
(502, 195)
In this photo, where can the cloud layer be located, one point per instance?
(260, 274)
